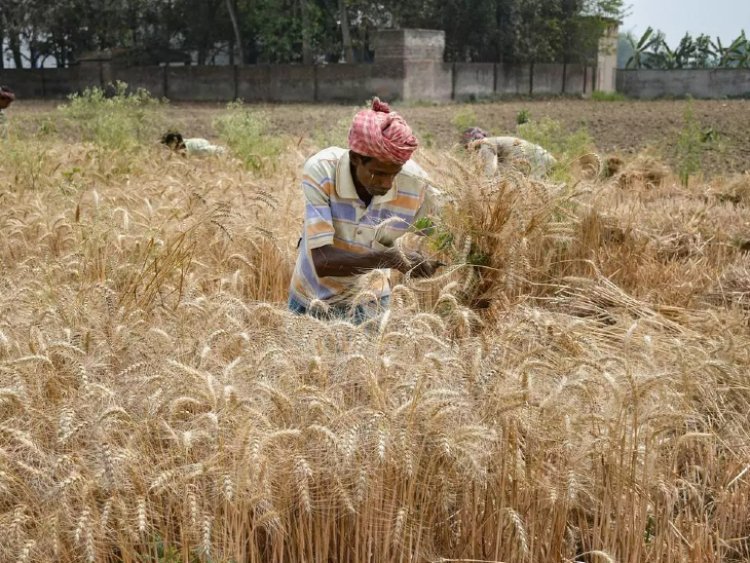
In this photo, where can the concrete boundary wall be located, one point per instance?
(699, 83)
(408, 66)
(392, 80)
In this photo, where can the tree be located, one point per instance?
(302, 30)
(236, 27)
(346, 36)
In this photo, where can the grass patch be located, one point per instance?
(245, 132)
(608, 97)
(464, 118)
(565, 146)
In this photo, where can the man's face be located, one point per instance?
(374, 175)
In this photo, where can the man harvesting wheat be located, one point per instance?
(498, 154)
(357, 203)
(6, 98)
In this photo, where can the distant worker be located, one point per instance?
(193, 146)
(358, 202)
(497, 153)
(6, 98)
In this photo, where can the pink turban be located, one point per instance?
(382, 134)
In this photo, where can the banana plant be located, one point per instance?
(736, 55)
(685, 53)
(705, 54)
(642, 49)
(739, 52)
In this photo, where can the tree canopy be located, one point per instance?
(252, 31)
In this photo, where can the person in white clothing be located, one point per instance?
(497, 153)
(192, 146)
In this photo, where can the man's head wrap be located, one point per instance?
(472, 134)
(382, 134)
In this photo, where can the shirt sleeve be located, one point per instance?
(316, 190)
(432, 205)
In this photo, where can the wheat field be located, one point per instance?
(572, 387)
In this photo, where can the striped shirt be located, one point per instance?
(335, 215)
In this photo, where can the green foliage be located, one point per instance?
(464, 119)
(550, 134)
(643, 48)
(122, 121)
(27, 157)
(564, 145)
(276, 31)
(689, 147)
(244, 131)
(523, 116)
(651, 51)
(608, 97)
(439, 236)
(334, 135)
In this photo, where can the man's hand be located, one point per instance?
(330, 261)
(414, 263)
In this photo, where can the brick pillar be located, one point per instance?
(409, 65)
(606, 60)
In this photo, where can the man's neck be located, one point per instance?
(363, 194)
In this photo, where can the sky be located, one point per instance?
(722, 18)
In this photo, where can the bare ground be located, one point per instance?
(616, 127)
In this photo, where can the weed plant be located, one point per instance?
(119, 120)
(689, 147)
(244, 130)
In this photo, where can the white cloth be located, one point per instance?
(197, 145)
(499, 152)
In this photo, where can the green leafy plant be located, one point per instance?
(642, 48)
(689, 147)
(523, 116)
(244, 131)
(552, 136)
(121, 121)
(464, 119)
(333, 134)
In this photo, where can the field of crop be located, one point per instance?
(573, 386)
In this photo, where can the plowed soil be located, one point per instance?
(616, 127)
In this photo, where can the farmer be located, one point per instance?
(357, 203)
(497, 153)
(193, 146)
(6, 98)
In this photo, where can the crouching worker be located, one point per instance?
(194, 146)
(6, 98)
(357, 203)
(499, 153)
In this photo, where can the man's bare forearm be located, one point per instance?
(331, 261)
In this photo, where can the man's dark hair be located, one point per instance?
(362, 158)
(173, 139)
